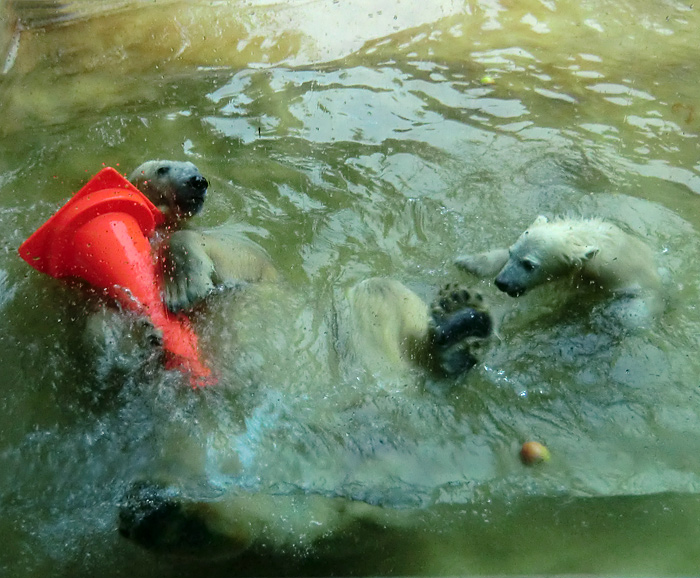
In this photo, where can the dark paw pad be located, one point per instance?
(460, 324)
(453, 297)
(459, 313)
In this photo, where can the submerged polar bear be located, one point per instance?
(592, 254)
(382, 324)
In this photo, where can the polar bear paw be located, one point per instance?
(454, 297)
(486, 264)
(151, 516)
(189, 271)
(157, 518)
(460, 323)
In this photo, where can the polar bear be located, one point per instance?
(591, 253)
(386, 326)
(196, 261)
(380, 322)
(162, 520)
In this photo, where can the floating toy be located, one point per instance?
(101, 236)
(532, 453)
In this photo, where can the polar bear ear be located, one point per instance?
(589, 252)
(579, 255)
(541, 220)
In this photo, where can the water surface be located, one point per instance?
(350, 140)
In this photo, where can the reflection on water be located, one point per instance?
(356, 139)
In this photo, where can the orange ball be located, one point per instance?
(534, 453)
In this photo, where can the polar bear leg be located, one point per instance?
(189, 271)
(118, 342)
(389, 325)
(199, 261)
(486, 264)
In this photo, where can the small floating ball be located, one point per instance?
(487, 80)
(534, 453)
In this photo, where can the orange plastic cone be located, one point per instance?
(101, 236)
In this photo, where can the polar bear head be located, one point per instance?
(544, 252)
(177, 188)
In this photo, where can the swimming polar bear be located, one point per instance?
(592, 254)
(386, 326)
(195, 263)
(382, 324)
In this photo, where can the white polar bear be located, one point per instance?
(196, 261)
(591, 253)
(382, 324)
(385, 326)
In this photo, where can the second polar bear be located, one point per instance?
(593, 254)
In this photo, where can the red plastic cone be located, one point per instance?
(101, 236)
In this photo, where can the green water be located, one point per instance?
(350, 140)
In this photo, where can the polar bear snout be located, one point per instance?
(198, 183)
(191, 196)
(511, 288)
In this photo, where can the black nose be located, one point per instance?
(198, 183)
(512, 289)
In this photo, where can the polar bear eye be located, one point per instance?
(162, 171)
(527, 264)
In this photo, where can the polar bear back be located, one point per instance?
(386, 323)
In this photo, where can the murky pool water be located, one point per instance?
(354, 139)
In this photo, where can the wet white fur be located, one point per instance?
(593, 253)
